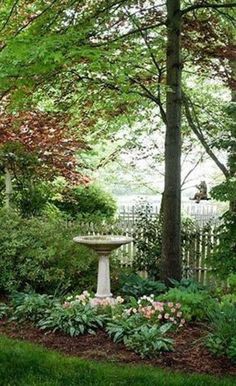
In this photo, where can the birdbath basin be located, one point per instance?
(103, 246)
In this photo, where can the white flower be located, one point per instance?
(119, 300)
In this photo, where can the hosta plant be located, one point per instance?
(73, 320)
(4, 310)
(136, 286)
(122, 327)
(31, 306)
(149, 342)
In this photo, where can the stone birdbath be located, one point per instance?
(103, 246)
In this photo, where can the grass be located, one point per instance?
(23, 364)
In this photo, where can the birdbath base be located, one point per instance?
(103, 283)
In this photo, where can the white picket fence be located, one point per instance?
(196, 248)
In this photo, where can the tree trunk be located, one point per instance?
(171, 242)
(8, 187)
(232, 156)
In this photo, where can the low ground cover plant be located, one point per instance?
(4, 310)
(144, 323)
(195, 304)
(31, 306)
(136, 286)
(222, 337)
(149, 342)
(141, 324)
(75, 320)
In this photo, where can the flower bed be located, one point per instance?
(147, 325)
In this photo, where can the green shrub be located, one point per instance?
(222, 338)
(195, 305)
(223, 258)
(85, 201)
(149, 342)
(40, 254)
(188, 285)
(30, 193)
(136, 286)
(148, 239)
(215, 345)
(228, 298)
(232, 282)
(73, 320)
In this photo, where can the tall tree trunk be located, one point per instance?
(232, 156)
(171, 242)
(8, 187)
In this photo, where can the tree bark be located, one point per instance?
(232, 156)
(8, 187)
(171, 241)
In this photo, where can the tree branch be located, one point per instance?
(10, 15)
(127, 34)
(207, 5)
(191, 170)
(195, 126)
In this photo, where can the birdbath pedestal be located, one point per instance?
(103, 246)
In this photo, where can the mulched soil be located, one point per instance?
(190, 355)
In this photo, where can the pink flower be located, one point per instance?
(170, 305)
(178, 305)
(158, 306)
(173, 310)
(172, 319)
(179, 314)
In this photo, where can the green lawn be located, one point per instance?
(29, 365)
